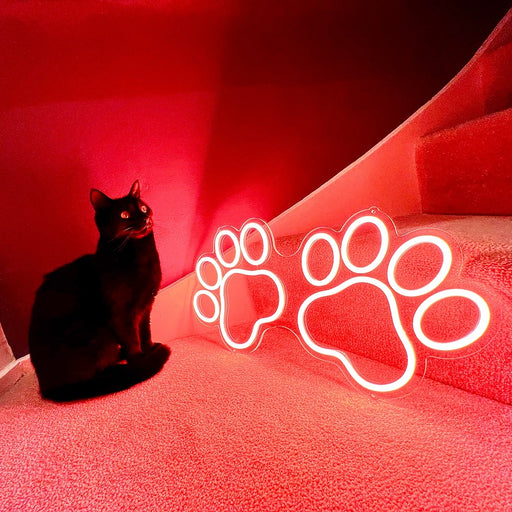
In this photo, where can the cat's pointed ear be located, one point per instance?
(99, 200)
(135, 190)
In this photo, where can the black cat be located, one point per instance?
(90, 331)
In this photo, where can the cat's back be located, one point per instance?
(67, 295)
(70, 278)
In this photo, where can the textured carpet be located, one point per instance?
(465, 170)
(359, 322)
(271, 430)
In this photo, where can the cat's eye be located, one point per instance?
(143, 208)
(125, 215)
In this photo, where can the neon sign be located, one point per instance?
(380, 273)
(220, 309)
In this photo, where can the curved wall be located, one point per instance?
(223, 113)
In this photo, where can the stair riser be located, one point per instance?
(468, 169)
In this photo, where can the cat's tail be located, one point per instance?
(114, 378)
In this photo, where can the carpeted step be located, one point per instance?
(268, 431)
(465, 170)
(485, 244)
(358, 321)
(496, 69)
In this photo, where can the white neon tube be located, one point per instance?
(441, 275)
(264, 238)
(305, 259)
(480, 328)
(218, 249)
(384, 244)
(341, 356)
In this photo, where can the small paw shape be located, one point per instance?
(224, 268)
(389, 254)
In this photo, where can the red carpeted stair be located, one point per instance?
(467, 169)
(485, 243)
(273, 430)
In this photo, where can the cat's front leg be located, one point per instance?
(127, 332)
(145, 331)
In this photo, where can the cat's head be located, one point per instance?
(124, 217)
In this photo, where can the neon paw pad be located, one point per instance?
(215, 273)
(380, 273)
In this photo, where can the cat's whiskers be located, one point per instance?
(121, 240)
(123, 244)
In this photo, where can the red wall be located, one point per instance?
(223, 113)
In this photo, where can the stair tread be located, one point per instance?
(485, 243)
(491, 116)
(496, 229)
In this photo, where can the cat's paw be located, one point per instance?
(378, 277)
(151, 362)
(226, 279)
(160, 350)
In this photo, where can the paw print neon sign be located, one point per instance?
(379, 273)
(221, 307)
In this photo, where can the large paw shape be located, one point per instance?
(224, 268)
(389, 254)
